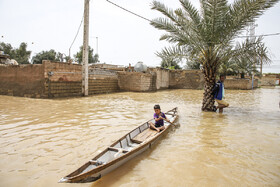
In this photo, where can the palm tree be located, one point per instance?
(170, 61)
(247, 55)
(262, 54)
(208, 33)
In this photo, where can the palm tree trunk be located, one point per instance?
(208, 98)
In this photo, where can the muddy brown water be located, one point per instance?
(44, 140)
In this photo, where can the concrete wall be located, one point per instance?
(186, 79)
(22, 80)
(136, 81)
(242, 84)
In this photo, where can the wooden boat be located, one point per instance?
(132, 144)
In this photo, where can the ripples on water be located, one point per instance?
(43, 140)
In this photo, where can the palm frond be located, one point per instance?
(214, 13)
(173, 52)
(242, 12)
(192, 12)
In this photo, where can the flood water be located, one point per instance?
(44, 140)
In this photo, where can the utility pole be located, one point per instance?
(85, 50)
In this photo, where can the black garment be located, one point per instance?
(216, 88)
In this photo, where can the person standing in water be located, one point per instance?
(219, 94)
(159, 117)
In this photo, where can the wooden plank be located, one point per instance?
(144, 135)
(136, 141)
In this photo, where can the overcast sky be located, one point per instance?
(122, 37)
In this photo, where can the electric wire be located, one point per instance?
(273, 34)
(76, 34)
(129, 11)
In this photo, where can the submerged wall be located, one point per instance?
(186, 79)
(270, 80)
(102, 81)
(56, 79)
(22, 80)
(242, 84)
(66, 80)
(62, 79)
(162, 78)
(136, 81)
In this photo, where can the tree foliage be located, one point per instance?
(170, 61)
(207, 34)
(91, 58)
(21, 54)
(7, 48)
(247, 55)
(45, 55)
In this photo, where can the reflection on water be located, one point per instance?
(43, 140)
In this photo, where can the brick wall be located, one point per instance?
(102, 81)
(54, 79)
(62, 71)
(55, 89)
(186, 79)
(162, 78)
(136, 81)
(66, 80)
(242, 84)
(269, 80)
(22, 80)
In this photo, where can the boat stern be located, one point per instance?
(84, 180)
(63, 180)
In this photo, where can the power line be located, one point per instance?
(273, 34)
(130, 11)
(76, 34)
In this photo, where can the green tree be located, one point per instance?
(91, 58)
(228, 68)
(22, 55)
(7, 48)
(249, 53)
(169, 61)
(45, 55)
(262, 54)
(208, 33)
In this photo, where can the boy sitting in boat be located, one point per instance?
(159, 117)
